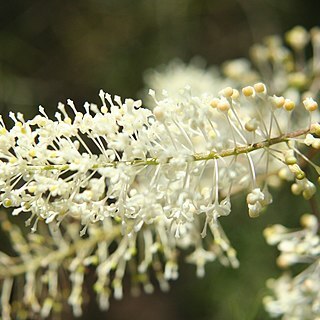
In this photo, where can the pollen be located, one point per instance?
(251, 125)
(289, 105)
(315, 129)
(7, 203)
(214, 103)
(223, 105)
(310, 104)
(32, 153)
(260, 88)
(248, 91)
(226, 92)
(13, 160)
(32, 189)
(278, 102)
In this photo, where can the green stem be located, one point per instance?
(196, 157)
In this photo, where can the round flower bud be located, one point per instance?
(297, 38)
(214, 102)
(278, 102)
(290, 160)
(309, 221)
(310, 104)
(226, 92)
(7, 203)
(260, 88)
(297, 79)
(248, 91)
(289, 105)
(315, 129)
(251, 125)
(223, 105)
(296, 189)
(285, 260)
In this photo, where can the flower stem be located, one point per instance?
(196, 157)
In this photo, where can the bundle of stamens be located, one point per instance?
(48, 167)
(290, 71)
(298, 296)
(150, 182)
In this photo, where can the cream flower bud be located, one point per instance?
(315, 128)
(226, 92)
(278, 102)
(310, 104)
(289, 105)
(260, 88)
(223, 105)
(298, 37)
(251, 125)
(248, 91)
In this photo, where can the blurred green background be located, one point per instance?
(54, 50)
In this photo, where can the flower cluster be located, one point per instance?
(288, 71)
(184, 155)
(160, 178)
(176, 75)
(120, 188)
(296, 297)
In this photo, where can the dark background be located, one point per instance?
(54, 50)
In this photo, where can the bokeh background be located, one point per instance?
(54, 50)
